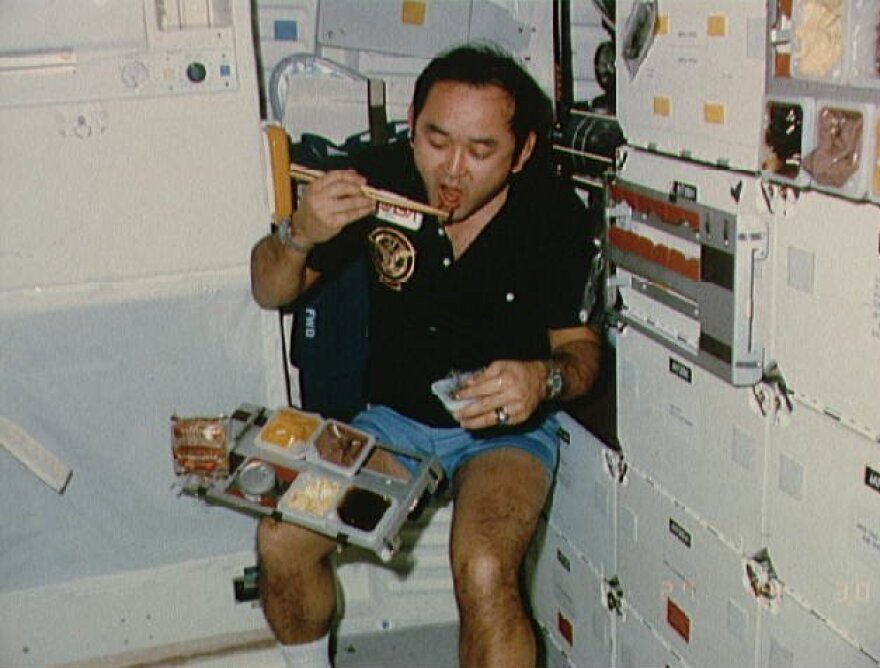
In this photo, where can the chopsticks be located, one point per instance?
(306, 175)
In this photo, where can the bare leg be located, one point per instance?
(296, 581)
(297, 586)
(498, 498)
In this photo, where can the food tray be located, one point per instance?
(349, 503)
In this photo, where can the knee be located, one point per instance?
(281, 542)
(484, 575)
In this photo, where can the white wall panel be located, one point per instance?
(638, 645)
(583, 506)
(698, 91)
(824, 521)
(568, 601)
(683, 581)
(794, 637)
(697, 437)
(827, 274)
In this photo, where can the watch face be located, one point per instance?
(554, 382)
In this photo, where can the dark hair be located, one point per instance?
(483, 64)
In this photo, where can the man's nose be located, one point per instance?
(455, 162)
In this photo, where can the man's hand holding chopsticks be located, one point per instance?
(329, 203)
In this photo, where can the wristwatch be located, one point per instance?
(284, 233)
(554, 383)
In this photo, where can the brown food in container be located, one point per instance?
(838, 147)
(340, 445)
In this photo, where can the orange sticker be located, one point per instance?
(565, 628)
(678, 620)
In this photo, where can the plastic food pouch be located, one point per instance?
(639, 34)
(199, 446)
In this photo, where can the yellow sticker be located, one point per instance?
(662, 25)
(662, 106)
(412, 13)
(877, 161)
(713, 113)
(716, 25)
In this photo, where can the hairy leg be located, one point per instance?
(297, 587)
(498, 498)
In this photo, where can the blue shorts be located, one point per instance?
(454, 446)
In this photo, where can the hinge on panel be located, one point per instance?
(772, 397)
(616, 466)
(613, 592)
(762, 580)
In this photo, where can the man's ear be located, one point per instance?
(411, 121)
(525, 152)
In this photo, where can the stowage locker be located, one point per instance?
(827, 308)
(569, 601)
(683, 580)
(700, 439)
(824, 522)
(690, 76)
(583, 505)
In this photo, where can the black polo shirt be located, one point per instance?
(431, 314)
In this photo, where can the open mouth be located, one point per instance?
(450, 198)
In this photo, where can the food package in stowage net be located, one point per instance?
(199, 446)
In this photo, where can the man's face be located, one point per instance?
(464, 147)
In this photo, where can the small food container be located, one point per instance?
(874, 158)
(788, 138)
(820, 43)
(363, 509)
(340, 447)
(262, 482)
(289, 431)
(841, 149)
(312, 494)
(445, 389)
(864, 63)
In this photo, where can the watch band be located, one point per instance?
(284, 234)
(555, 383)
